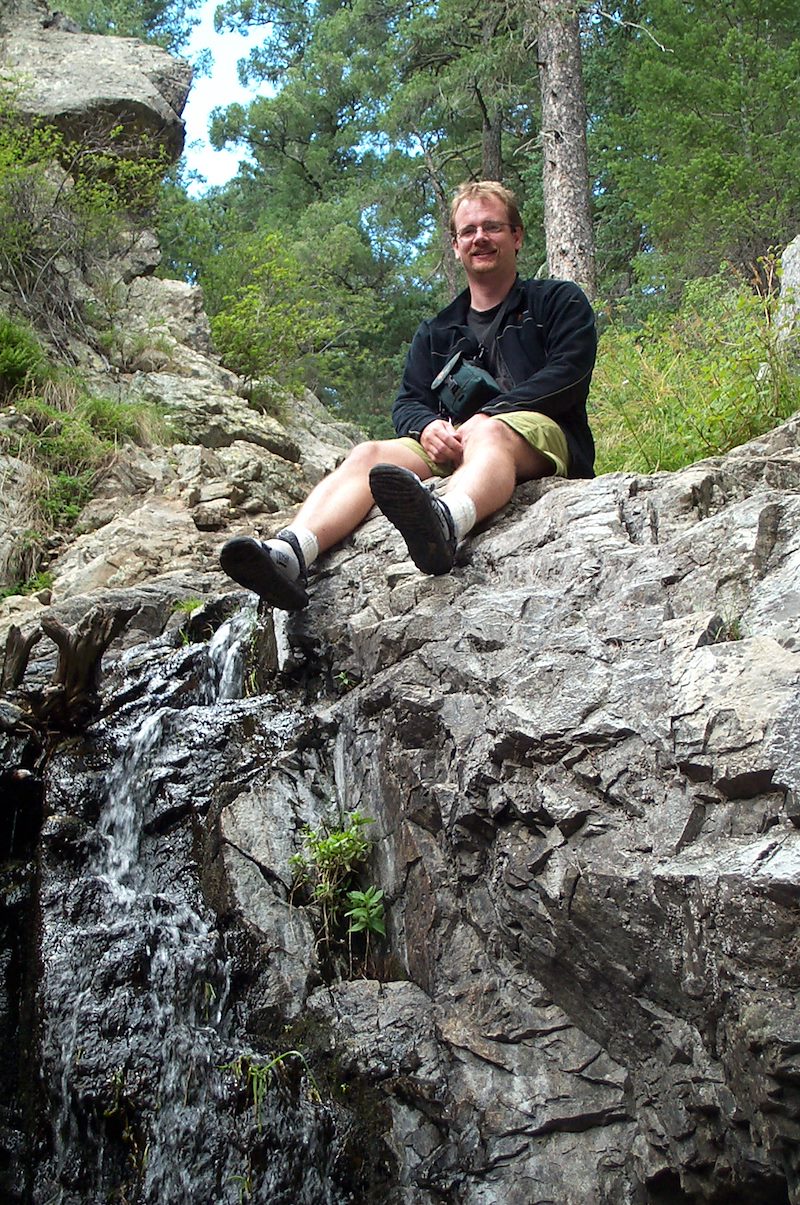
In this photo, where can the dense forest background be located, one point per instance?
(319, 258)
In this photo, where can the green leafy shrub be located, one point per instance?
(328, 870)
(70, 438)
(275, 318)
(366, 911)
(22, 360)
(679, 387)
(39, 581)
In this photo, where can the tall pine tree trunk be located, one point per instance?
(567, 210)
(443, 218)
(492, 112)
(491, 142)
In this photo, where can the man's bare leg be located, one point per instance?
(493, 459)
(276, 569)
(342, 500)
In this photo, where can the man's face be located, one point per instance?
(486, 255)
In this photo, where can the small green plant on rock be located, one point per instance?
(185, 606)
(39, 581)
(257, 1075)
(67, 435)
(22, 359)
(366, 911)
(725, 628)
(327, 870)
(343, 682)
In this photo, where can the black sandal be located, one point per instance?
(423, 522)
(249, 563)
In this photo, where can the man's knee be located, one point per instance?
(493, 439)
(365, 456)
(510, 450)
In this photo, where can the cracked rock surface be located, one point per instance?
(581, 753)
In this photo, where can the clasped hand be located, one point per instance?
(446, 444)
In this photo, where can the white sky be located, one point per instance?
(221, 88)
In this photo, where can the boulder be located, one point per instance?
(580, 750)
(85, 83)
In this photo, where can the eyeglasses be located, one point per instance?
(466, 233)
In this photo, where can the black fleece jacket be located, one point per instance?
(546, 346)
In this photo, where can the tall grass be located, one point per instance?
(679, 387)
(67, 435)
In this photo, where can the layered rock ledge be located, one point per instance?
(580, 750)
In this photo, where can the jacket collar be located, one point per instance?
(455, 314)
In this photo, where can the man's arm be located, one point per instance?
(564, 328)
(416, 405)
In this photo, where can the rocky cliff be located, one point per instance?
(580, 753)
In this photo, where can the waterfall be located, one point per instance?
(226, 654)
(153, 1096)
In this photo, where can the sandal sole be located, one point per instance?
(409, 507)
(245, 561)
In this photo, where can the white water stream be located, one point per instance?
(141, 1036)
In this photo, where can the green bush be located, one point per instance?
(275, 318)
(71, 437)
(683, 386)
(22, 360)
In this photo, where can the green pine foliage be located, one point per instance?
(695, 136)
(165, 22)
(376, 110)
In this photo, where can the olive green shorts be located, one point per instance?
(540, 432)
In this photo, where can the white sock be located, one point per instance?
(284, 556)
(308, 544)
(462, 511)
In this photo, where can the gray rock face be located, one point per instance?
(163, 510)
(77, 80)
(581, 752)
(789, 312)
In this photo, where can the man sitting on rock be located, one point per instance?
(510, 407)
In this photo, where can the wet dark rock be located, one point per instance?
(153, 1020)
(583, 777)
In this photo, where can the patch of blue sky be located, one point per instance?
(215, 88)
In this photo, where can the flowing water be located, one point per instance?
(153, 1096)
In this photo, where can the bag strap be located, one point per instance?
(490, 333)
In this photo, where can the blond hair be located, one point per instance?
(473, 190)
